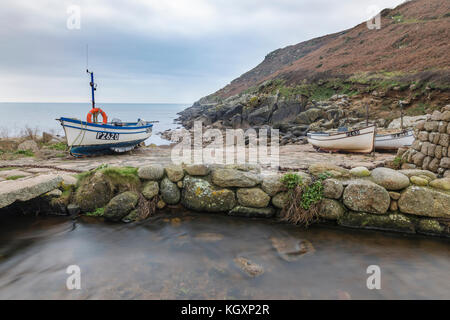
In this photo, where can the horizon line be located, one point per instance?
(96, 102)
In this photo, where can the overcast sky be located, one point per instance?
(152, 50)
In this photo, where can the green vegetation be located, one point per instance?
(397, 162)
(14, 177)
(398, 18)
(8, 168)
(291, 180)
(96, 213)
(122, 177)
(58, 146)
(313, 193)
(303, 199)
(252, 103)
(26, 153)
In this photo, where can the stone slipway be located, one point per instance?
(27, 189)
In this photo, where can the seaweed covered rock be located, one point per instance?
(121, 205)
(200, 195)
(366, 196)
(169, 191)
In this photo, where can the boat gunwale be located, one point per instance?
(339, 133)
(340, 138)
(104, 126)
(409, 133)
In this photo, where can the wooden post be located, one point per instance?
(401, 115)
(367, 115)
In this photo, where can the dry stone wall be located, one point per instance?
(430, 150)
(407, 200)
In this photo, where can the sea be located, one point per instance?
(15, 117)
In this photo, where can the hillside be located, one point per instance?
(413, 39)
(328, 82)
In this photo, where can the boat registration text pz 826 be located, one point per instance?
(107, 136)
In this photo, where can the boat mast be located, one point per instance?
(93, 87)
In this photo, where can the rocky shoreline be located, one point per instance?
(295, 115)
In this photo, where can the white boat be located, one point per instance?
(91, 137)
(394, 141)
(85, 138)
(360, 140)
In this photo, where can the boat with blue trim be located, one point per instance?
(92, 137)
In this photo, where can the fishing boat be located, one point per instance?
(360, 140)
(94, 137)
(393, 141)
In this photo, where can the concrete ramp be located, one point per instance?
(27, 189)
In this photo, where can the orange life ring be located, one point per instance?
(94, 112)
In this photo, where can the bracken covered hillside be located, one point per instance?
(413, 43)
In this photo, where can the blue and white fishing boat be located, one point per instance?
(92, 137)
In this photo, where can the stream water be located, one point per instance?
(192, 256)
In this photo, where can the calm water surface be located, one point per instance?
(190, 256)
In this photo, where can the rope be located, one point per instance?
(82, 131)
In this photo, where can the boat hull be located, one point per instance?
(361, 140)
(87, 138)
(394, 141)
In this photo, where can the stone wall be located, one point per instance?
(411, 201)
(430, 150)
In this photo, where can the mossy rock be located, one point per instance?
(97, 187)
(121, 205)
(200, 195)
(429, 226)
(391, 222)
